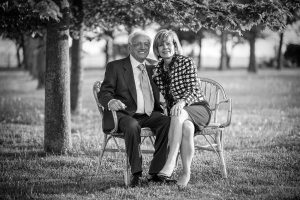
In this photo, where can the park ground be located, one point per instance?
(262, 145)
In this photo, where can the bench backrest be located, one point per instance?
(96, 90)
(215, 95)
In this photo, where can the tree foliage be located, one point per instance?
(16, 18)
(193, 14)
(233, 15)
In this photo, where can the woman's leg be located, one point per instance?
(175, 140)
(187, 151)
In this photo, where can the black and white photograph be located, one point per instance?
(150, 99)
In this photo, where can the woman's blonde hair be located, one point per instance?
(162, 36)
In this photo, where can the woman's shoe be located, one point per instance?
(183, 181)
(182, 187)
(161, 178)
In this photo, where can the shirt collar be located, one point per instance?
(134, 62)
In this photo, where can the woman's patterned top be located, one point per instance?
(178, 81)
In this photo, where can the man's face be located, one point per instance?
(139, 47)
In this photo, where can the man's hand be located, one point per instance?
(116, 105)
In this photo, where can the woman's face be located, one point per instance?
(166, 49)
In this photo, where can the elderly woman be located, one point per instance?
(176, 77)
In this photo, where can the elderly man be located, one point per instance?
(129, 90)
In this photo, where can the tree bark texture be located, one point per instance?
(223, 59)
(252, 61)
(279, 55)
(57, 88)
(76, 75)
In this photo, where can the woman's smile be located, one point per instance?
(166, 51)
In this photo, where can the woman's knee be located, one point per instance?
(181, 118)
(188, 128)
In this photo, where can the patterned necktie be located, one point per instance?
(147, 90)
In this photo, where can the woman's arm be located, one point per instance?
(192, 92)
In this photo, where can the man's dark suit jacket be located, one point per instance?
(119, 84)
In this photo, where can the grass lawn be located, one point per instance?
(262, 145)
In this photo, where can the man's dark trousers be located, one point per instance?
(131, 126)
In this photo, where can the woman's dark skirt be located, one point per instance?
(200, 115)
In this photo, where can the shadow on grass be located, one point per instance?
(53, 175)
(73, 186)
(23, 153)
(29, 153)
(32, 151)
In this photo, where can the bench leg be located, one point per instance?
(103, 146)
(127, 171)
(220, 152)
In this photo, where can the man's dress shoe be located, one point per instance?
(135, 181)
(158, 178)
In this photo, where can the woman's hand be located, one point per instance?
(177, 108)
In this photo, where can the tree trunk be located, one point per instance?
(223, 59)
(228, 58)
(252, 62)
(41, 62)
(30, 45)
(57, 89)
(76, 75)
(108, 49)
(199, 39)
(20, 52)
(25, 52)
(19, 65)
(76, 65)
(35, 52)
(279, 56)
(228, 61)
(34, 48)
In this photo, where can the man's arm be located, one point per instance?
(107, 90)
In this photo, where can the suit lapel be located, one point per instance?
(129, 78)
(149, 73)
(154, 87)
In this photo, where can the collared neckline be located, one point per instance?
(170, 66)
(135, 63)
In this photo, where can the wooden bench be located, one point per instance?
(213, 133)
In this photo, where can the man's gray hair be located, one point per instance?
(136, 33)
